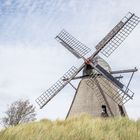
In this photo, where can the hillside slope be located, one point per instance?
(80, 128)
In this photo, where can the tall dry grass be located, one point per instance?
(79, 128)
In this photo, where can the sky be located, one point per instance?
(32, 60)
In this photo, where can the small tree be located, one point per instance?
(20, 111)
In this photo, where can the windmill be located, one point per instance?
(99, 93)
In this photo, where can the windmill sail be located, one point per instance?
(43, 99)
(117, 35)
(72, 44)
(117, 84)
(118, 95)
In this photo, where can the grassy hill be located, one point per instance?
(80, 128)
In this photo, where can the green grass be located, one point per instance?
(79, 128)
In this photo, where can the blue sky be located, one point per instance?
(32, 60)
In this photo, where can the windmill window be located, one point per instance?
(104, 111)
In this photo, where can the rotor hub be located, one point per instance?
(88, 70)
